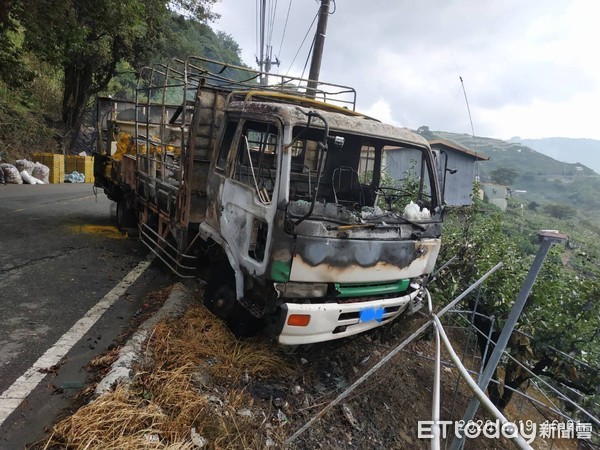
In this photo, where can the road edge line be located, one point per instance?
(12, 397)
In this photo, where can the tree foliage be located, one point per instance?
(88, 39)
(559, 211)
(504, 175)
(12, 69)
(561, 313)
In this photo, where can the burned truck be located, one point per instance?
(278, 187)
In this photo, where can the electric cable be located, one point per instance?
(310, 50)
(273, 12)
(303, 40)
(284, 27)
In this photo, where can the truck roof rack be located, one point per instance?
(290, 98)
(197, 70)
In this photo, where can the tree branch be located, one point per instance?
(587, 390)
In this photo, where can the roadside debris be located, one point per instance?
(197, 440)
(29, 179)
(350, 416)
(11, 174)
(74, 177)
(24, 171)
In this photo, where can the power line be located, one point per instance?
(310, 50)
(273, 13)
(284, 27)
(303, 40)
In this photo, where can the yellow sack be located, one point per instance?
(125, 146)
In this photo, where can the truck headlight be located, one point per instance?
(301, 290)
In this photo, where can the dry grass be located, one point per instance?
(111, 420)
(198, 338)
(104, 359)
(193, 381)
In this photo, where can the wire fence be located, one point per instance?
(540, 410)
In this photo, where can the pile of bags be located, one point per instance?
(24, 171)
(74, 177)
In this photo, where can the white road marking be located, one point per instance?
(53, 203)
(26, 383)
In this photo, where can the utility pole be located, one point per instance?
(265, 62)
(317, 56)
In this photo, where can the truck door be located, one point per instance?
(247, 165)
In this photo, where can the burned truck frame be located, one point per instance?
(281, 190)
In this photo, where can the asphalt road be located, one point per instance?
(60, 255)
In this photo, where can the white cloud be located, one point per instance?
(530, 68)
(572, 119)
(380, 110)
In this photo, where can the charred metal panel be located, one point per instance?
(214, 194)
(326, 219)
(353, 261)
(239, 209)
(359, 125)
(129, 168)
(208, 113)
(282, 245)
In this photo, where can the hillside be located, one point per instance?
(580, 151)
(38, 111)
(545, 179)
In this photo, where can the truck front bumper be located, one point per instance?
(329, 321)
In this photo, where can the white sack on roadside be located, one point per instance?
(23, 164)
(11, 174)
(29, 179)
(41, 172)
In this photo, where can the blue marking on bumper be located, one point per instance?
(368, 314)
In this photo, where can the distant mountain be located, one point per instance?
(584, 151)
(545, 179)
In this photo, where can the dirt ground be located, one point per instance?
(197, 386)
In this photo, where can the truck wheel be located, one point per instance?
(220, 301)
(125, 216)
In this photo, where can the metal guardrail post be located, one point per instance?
(548, 238)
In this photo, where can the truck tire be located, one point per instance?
(221, 300)
(125, 215)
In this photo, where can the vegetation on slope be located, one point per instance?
(557, 335)
(54, 58)
(545, 181)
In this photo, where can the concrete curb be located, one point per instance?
(120, 372)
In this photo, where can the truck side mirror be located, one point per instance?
(338, 141)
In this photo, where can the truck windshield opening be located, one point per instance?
(366, 179)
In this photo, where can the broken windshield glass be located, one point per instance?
(365, 180)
